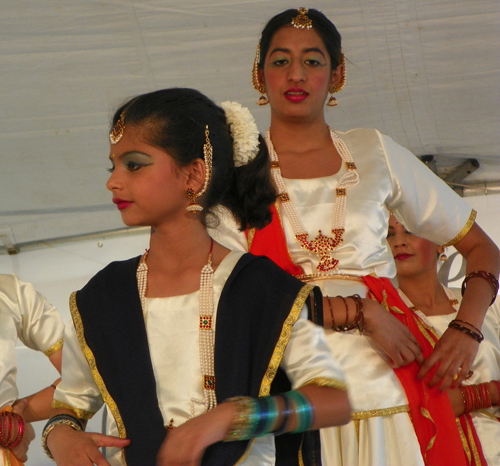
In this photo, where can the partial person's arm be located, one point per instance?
(455, 351)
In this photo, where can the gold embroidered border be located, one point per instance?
(329, 276)
(424, 331)
(425, 412)
(324, 382)
(380, 412)
(465, 230)
(247, 451)
(283, 339)
(80, 413)
(472, 443)
(464, 441)
(54, 348)
(77, 320)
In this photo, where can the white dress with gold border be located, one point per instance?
(173, 333)
(390, 178)
(26, 315)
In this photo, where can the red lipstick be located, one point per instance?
(296, 94)
(121, 204)
(402, 256)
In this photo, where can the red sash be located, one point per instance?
(432, 415)
(270, 242)
(430, 408)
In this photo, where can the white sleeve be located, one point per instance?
(41, 325)
(307, 356)
(77, 390)
(423, 202)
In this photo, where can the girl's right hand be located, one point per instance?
(72, 448)
(390, 335)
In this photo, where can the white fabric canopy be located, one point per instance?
(425, 72)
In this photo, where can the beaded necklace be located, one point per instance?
(206, 331)
(322, 245)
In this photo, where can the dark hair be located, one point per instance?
(320, 23)
(174, 120)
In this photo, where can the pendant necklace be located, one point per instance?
(322, 245)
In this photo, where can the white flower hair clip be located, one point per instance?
(244, 132)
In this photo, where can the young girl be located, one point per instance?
(329, 229)
(169, 339)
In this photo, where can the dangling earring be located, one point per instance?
(443, 257)
(257, 85)
(193, 206)
(332, 101)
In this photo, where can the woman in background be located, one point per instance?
(329, 229)
(419, 287)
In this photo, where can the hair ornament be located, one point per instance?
(244, 132)
(118, 130)
(302, 21)
(208, 152)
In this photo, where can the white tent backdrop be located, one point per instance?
(426, 72)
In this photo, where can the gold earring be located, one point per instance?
(193, 206)
(257, 85)
(443, 257)
(332, 101)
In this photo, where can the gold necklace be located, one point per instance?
(321, 245)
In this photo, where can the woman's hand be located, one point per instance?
(186, 444)
(72, 448)
(454, 353)
(390, 335)
(21, 451)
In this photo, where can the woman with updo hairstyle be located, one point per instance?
(328, 228)
(477, 400)
(202, 355)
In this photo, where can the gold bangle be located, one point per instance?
(51, 426)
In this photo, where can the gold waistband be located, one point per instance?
(329, 276)
(380, 412)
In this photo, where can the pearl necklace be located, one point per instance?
(206, 331)
(322, 245)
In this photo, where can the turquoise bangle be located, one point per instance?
(303, 410)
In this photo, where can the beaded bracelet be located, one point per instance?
(479, 337)
(489, 277)
(53, 422)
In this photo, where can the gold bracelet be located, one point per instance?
(51, 426)
(245, 406)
